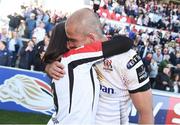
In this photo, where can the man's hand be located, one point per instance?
(55, 70)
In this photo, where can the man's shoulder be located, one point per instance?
(126, 55)
(122, 60)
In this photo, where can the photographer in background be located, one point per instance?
(26, 55)
(40, 50)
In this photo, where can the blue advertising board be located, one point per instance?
(166, 108)
(24, 90)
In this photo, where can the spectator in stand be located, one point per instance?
(4, 35)
(174, 54)
(176, 83)
(26, 55)
(156, 37)
(39, 15)
(178, 39)
(27, 11)
(61, 17)
(39, 32)
(177, 69)
(109, 4)
(166, 37)
(4, 54)
(50, 25)
(121, 2)
(145, 48)
(34, 39)
(104, 12)
(163, 64)
(166, 55)
(40, 50)
(46, 17)
(152, 38)
(132, 35)
(145, 37)
(14, 46)
(153, 72)
(96, 4)
(177, 60)
(31, 25)
(123, 31)
(177, 47)
(163, 81)
(147, 60)
(21, 29)
(140, 20)
(117, 9)
(157, 56)
(146, 20)
(14, 22)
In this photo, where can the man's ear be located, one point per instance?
(91, 37)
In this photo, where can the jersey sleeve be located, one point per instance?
(117, 45)
(134, 73)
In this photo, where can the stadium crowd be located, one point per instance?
(154, 27)
(150, 13)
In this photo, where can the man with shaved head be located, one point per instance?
(83, 27)
(122, 77)
(86, 18)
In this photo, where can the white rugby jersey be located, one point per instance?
(119, 75)
(76, 94)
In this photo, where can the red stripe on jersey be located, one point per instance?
(93, 47)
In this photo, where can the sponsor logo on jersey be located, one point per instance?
(55, 121)
(141, 73)
(108, 65)
(106, 89)
(132, 62)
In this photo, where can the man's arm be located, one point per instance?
(143, 103)
(136, 80)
